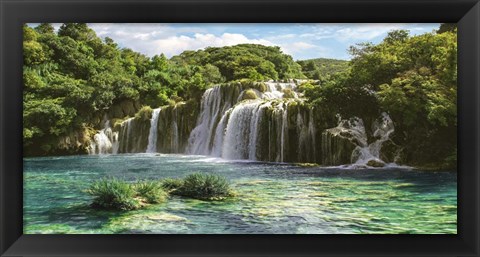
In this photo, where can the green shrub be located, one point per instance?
(144, 114)
(113, 194)
(171, 184)
(151, 192)
(249, 94)
(205, 187)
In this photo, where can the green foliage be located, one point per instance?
(447, 27)
(144, 114)
(244, 61)
(113, 194)
(202, 186)
(151, 191)
(413, 79)
(249, 94)
(170, 184)
(322, 67)
(288, 93)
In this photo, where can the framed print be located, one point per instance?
(239, 128)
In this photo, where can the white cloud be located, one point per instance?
(176, 44)
(365, 31)
(302, 41)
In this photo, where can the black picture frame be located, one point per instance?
(13, 13)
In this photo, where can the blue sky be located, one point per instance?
(302, 41)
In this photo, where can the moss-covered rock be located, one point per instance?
(144, 114)
(248, 94)
(261, 87)
(375, 163)
(75, 142)
(288, 93)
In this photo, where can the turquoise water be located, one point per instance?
(272, 198)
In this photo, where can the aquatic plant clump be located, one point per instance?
(151, 192)
(113, 194)
(204, 187)
(171, 184)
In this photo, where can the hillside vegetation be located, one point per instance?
(322, 67)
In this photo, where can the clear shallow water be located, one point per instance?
(272, 198)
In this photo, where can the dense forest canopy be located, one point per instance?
(321, 67)
(72, 76)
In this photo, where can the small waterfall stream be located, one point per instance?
(152, 135)
(105, 141)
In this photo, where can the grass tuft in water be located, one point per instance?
(204, 187)
(171, 184)
(151, 191)
(113, 194)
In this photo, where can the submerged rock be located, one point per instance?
(375, 163)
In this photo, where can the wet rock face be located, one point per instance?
(123, 109)
(391, 152)
(133, 136)
(175, 124)
(337, 146)
(75, 142)
(350, 136)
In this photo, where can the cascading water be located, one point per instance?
(213, 106)
(152, 135)
(231, 128)
(264, 122)
(125, 135)
(382, 129)
(105, 141)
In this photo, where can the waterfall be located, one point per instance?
(237, 135)
(152, 135)
(219, 106)
(219, 133)
(105, 141)
(125, 136)
(175, 141)
(264, 121)
(311, 138)
(352, 133)
(212, 108)
(382, 129)
(246, 132)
